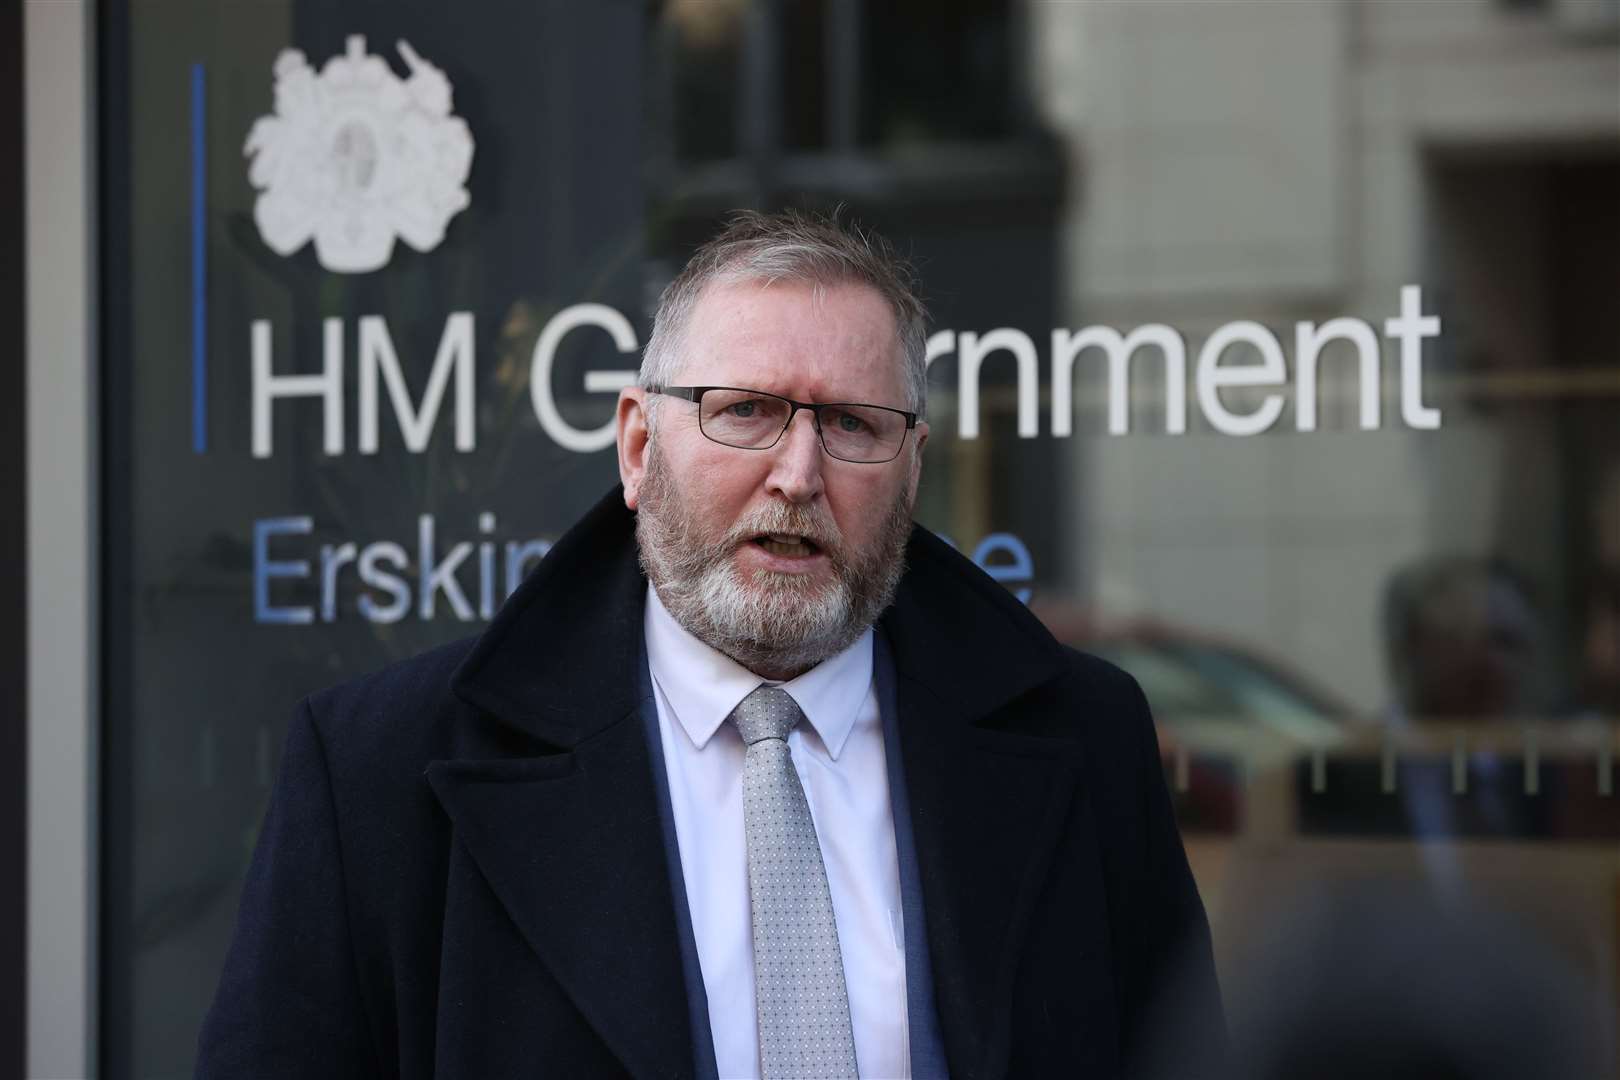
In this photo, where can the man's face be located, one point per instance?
(1473, 653)
(707, 513)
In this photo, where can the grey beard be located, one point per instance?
(775, 625)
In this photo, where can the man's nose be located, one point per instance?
(797, 460)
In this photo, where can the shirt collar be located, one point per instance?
(703, 685)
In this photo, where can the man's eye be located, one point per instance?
(850, 423)
(744, 409)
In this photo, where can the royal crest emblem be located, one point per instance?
(356, 156)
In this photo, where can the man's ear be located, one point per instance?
(919, 437)
(631, 434)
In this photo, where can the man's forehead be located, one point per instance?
(838, 332)
(722, 302)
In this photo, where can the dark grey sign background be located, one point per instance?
(606, 147)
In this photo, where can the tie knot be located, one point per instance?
(768, 712)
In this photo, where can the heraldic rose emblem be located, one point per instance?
(356, 156)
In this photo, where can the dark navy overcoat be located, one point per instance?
(462, 872)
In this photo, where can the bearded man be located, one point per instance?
(751, 777)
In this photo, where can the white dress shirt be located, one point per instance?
(839, 757)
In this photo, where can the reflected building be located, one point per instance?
(1297, 164)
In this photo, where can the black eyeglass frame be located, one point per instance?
(694, 394)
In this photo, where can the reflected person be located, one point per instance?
(751, 777)
(1466, 646)
(1465, 642)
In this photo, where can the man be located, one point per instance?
(750, 777)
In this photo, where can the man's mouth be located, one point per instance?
(787, 544)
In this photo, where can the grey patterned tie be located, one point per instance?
(800, 999)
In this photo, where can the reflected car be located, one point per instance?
(1226, 712)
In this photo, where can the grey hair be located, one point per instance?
(796, 246)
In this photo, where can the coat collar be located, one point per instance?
(557, 662)
(572, 818)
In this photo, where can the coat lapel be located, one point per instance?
(555, 801)
(987, 805)
(571, 846)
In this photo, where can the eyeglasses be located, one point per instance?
(755, 420)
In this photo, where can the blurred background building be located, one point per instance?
(1381, 637)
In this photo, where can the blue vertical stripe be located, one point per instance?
(199, 264)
